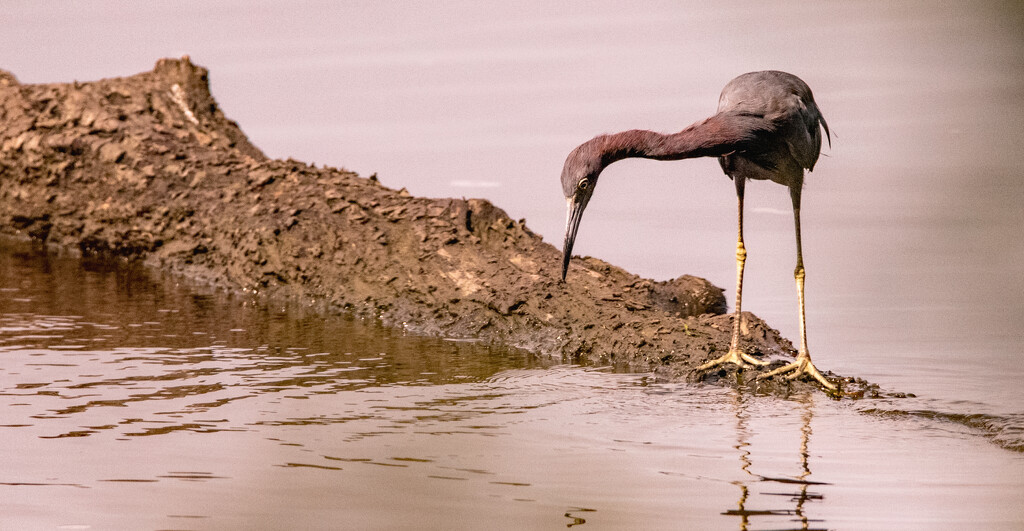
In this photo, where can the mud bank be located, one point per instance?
(148, 167)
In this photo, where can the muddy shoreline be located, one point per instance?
(148, 168)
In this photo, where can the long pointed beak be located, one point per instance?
(572, 224)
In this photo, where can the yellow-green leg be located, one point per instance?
(802, 366)
(735, 355)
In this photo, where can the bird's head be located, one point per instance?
(579, 178)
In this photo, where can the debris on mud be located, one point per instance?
(148, 167)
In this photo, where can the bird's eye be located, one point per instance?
(583, 185)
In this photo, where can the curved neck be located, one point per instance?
(719, 135)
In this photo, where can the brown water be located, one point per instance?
(911, 239)
(130, 401)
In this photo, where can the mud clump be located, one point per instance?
(148, 167)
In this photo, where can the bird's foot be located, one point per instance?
(735, 357)
(801, 367)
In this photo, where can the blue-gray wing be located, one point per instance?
(784, 101)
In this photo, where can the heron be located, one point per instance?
(767, 128)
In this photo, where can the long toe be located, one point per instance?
(735, 357)
(798, 369)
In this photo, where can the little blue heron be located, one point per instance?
(767, 128)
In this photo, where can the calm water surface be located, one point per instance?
(130, 399)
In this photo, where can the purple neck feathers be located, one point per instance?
(719, 135)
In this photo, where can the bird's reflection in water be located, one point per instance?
(799, 498)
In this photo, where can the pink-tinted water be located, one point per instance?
(129, 401)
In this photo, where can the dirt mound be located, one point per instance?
(148, 167)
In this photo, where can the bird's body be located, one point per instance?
(791, 137)
(767, 127)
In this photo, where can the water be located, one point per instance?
(911, 241)
(131, 401)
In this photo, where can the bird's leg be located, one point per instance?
(735, 355)
(802, 366)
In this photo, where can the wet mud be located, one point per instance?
(148, 168)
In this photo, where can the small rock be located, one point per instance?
(111, 153)
(88, 117)
(198, 178)
(109, 125)
(260, 178)
(174, 170)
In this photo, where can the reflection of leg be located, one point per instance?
(802, 366)
(742, 443)
(735, 355)
(805, 439)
